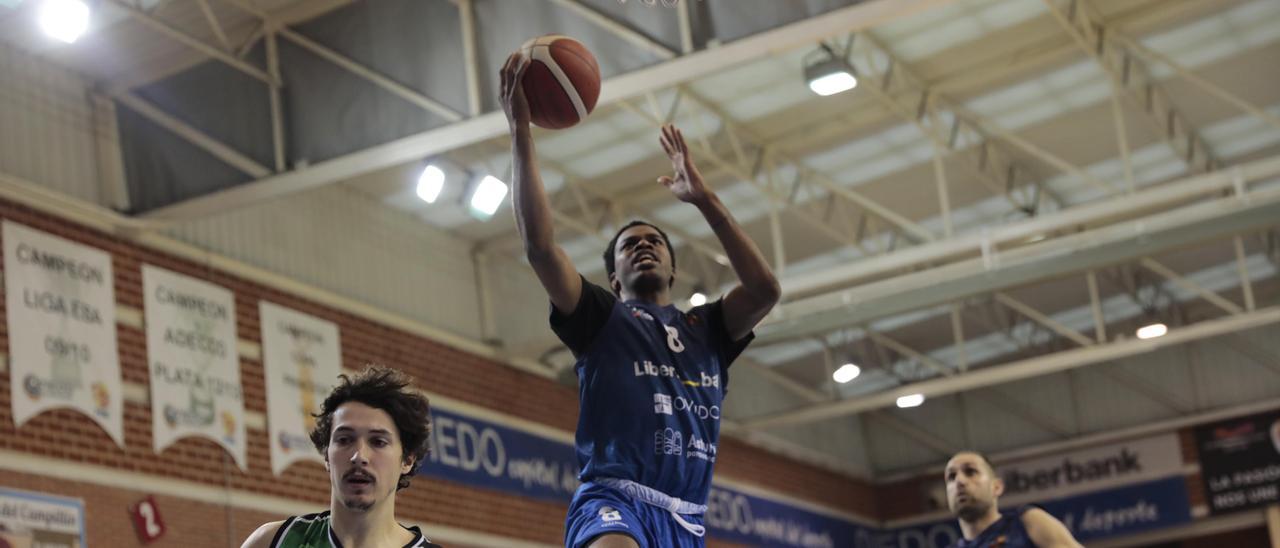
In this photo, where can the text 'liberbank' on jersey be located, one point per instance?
(651, 382)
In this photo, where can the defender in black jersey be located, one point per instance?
(373, 431)
(973, 490)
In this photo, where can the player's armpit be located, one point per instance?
(558, 277)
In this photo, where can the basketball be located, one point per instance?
(562, 82)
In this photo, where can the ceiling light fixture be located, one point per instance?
(1152, 331)
(65, 20)
(913, 400)
(846, 373)
(827, 72)
(430, 183)
(487, 196)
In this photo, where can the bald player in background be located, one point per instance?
(973, 490)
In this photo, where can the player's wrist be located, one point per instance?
(710, 206)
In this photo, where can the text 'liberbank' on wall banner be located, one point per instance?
(1240, 462)
(302, 357)
(480, 453)
(60, 300)
(195, 367)
(37, 519)
(1091, 470)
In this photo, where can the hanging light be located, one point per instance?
(828, 73)
(430, 183)
(846, 373)
(914, 400)
(1152, 331)
(65, 20)
(487, 196)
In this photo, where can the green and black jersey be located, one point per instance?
(313, 531)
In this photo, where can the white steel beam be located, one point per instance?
(1023, 369)
(396, 88)
(1201, 82)
(893, 82)
(1094, 214)
(1128, 73)
(1078, 252)
(193, 43)
(618, 29)
(470, 60)
(214, 25)
(106, 140)
(909, 227)
(493, 124)
(194, 136)
(1246, 283)
(1095, 306)
(277, 108)
(938, 367)
(1042, 319)
(1213, 298)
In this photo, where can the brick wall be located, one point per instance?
(69, 436)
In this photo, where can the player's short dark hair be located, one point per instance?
(389, 390)
(982, 457)
(610, 267)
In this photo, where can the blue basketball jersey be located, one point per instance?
(1007, 532)
(651, 383)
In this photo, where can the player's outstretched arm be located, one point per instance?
(1046, 531)
(757, 290)
(532, 209)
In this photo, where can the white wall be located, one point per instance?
(341, 240)
(46, 126)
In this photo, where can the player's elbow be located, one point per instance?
(539, 253)
(769, 292)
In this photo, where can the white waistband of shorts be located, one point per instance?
(649, 495)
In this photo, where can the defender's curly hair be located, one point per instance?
(389, 390)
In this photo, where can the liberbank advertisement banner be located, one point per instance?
(480, 453)
(1240, 462)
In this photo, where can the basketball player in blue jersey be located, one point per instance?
(651, 378)
(373, 431)
(972, 493)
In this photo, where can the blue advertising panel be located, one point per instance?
(1092, 516)
(739, 517)
(483, 454)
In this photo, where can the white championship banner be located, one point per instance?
(61, 308)
(301, 357)
(195, 369)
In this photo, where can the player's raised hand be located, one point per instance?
(514, 103)
(686, 183)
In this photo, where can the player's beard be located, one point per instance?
(973, 511)
(356, 505)
(649, 282)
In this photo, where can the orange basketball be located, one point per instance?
(562, 82)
